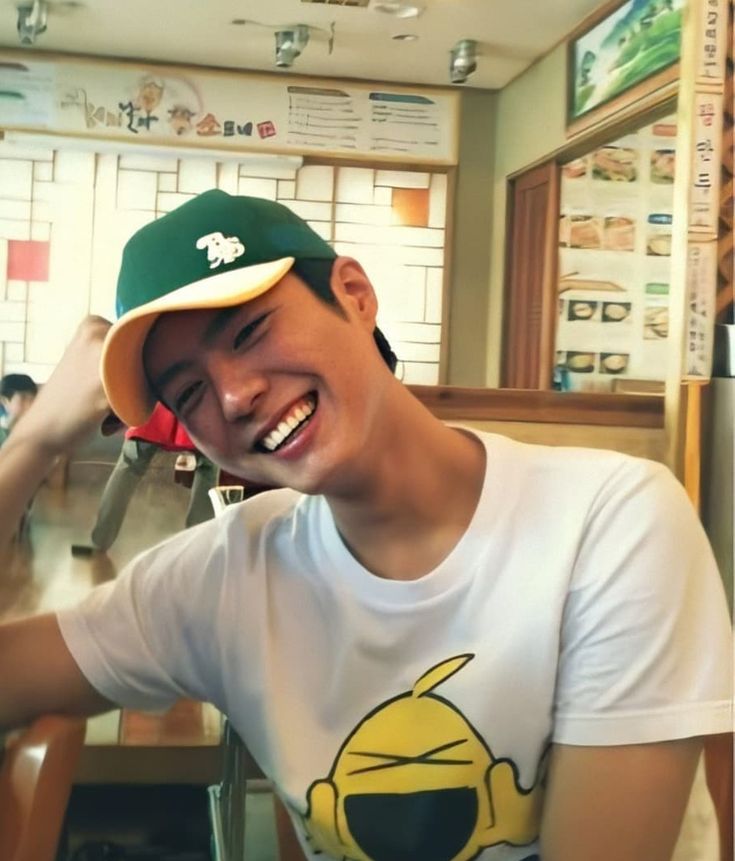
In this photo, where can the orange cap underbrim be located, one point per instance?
(121, 365)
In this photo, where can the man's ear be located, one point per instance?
(354, 291)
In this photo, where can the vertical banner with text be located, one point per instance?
(704, 190)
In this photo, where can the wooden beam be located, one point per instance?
(453, 403)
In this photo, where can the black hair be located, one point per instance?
(317, 274)
(13, 384)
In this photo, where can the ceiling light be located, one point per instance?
(399, 9)
(289, 44)
(462, 60)
(405, 37)
(32, 19)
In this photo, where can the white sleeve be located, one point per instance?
(150, 637)
(646, 641)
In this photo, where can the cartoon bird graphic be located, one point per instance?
(415, 780)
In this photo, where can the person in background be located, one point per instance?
(162, 432)
(436, 642)
(17, 393)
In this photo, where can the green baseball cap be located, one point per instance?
(214, 251)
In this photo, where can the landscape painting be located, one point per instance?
(628, 46)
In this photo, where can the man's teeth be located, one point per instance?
(298, 415)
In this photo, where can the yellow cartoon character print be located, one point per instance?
(414, 780)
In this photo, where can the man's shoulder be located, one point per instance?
(220, 545)
(568, 484)
(268, 506)
(567, 463)
(250, 518)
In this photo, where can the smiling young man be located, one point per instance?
(440, 645)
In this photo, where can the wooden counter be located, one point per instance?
(454, 403)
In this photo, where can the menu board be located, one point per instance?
(615, 235)
(166, 105)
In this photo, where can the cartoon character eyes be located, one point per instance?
(428, 757)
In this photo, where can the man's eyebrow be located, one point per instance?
(220, 321)
(164, 378)
(215, 326)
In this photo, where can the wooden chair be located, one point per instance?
(227, 804)
(35, 782)
(227, 799)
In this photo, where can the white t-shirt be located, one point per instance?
(410, 720)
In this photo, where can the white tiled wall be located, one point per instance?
(25, 208)
(87, 205)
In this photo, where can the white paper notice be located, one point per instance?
(27, 94)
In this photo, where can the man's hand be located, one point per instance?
(72, 403)
(620, 803)
(69, 406)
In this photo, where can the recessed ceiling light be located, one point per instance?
(405, 37)
(399, 9)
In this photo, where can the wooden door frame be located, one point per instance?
(548, 291)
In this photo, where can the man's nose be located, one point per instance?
(239, 390)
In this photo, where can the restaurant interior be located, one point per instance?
(552, 250)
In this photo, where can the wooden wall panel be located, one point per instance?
(530, 291)
(726, 285)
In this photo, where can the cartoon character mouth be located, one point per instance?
(297, 417)
(432, 825)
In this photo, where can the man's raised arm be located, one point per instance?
(37, 673)
(70, 405)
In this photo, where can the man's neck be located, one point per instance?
(417, 496)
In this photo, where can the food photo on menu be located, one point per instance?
(655, 323)
(663, 166)
(619, 233)
(581, 231)
(616, 312)
(656, 312)
(613, 363)
(582, 310)
(658, 240)
(575, 169)
(580, 363)
(615, 164)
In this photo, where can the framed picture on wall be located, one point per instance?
(620, 55)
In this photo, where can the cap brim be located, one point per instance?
(121, 366)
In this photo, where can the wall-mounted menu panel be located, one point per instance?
(167, 105)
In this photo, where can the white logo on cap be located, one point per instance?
(220, 248)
